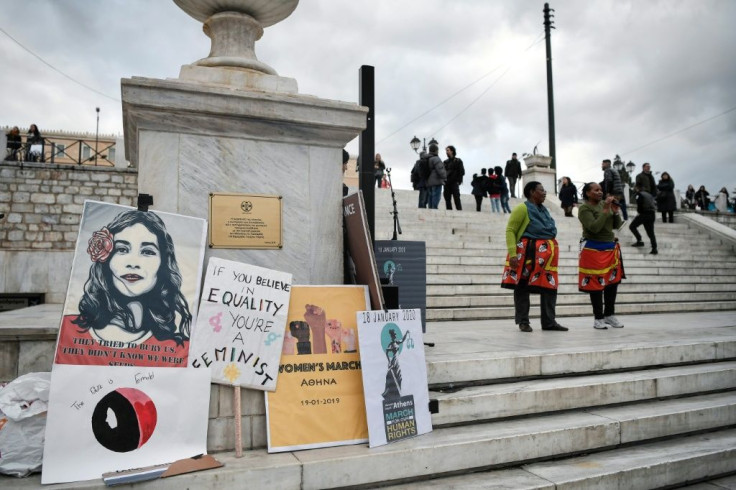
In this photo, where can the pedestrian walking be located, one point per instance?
(512, 173)
(646, 210)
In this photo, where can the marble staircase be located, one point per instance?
(466, 251)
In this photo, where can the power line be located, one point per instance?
(681, 130)
(472, 102)
(439, 104)
(536, 41)
(56, 69)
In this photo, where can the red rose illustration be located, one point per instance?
(100, 245)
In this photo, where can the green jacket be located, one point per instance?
(515, 227)
(598, 225)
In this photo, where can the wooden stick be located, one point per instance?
(238, 422)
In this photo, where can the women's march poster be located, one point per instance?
(133, 288)
(394, 375)
(117, 418)
(241, 323)
(319, 398)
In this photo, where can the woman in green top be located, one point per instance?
(531, 263)
(600, 267)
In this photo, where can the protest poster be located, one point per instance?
(103, 419)
(360, 248)
(319, 398)
(394, 375)
(133, 288)
(403, 263)
(241, 323)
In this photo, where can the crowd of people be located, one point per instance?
(435, 178)
(32, 151)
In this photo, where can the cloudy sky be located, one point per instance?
(650, 80)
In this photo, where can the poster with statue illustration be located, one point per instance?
(319, 398)
(105, 419)
(241, 324)
(394, 375)
(133, 288)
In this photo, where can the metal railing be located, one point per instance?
(61, 151)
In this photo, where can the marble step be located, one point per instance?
(570, 275)
(497, 233)
(481, 366)
(475, 403)
(468, 448)
(579, 309)
(498, 244)
(666, 251)
(664, 270)
(384, 217)
(568, 260)
(636, 284)
(663, 464)
(574, 298)
(497, 229)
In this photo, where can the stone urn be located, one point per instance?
(537, 161)
(234, 26)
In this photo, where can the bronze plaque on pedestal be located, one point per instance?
(245, 221)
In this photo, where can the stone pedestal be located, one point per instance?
(191, 138)
(538, 170)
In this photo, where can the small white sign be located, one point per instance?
(394, 375)
(103, 419)
(241, 324)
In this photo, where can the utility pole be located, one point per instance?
(550, 96)
(366, 143)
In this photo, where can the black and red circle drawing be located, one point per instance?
(124, 420)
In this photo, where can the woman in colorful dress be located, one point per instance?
(600, 267)
(531, 263)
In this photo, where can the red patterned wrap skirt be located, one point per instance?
(537, 267)
(600, 265)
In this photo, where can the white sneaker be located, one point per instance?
(612, 321)
(599, 324)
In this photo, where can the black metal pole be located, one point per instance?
(395, 212)
(367, 143)
(550, 95)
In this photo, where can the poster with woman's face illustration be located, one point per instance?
(133, 289)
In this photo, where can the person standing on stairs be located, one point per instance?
(455, 172)
(531, 263)
(600, 267)
(436, 179)
(479, 185)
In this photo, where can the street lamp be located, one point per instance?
(97, 134)
(618, 165)
(415, 143)
(630, 170)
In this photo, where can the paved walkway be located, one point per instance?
(468, 340)
(501, 338)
